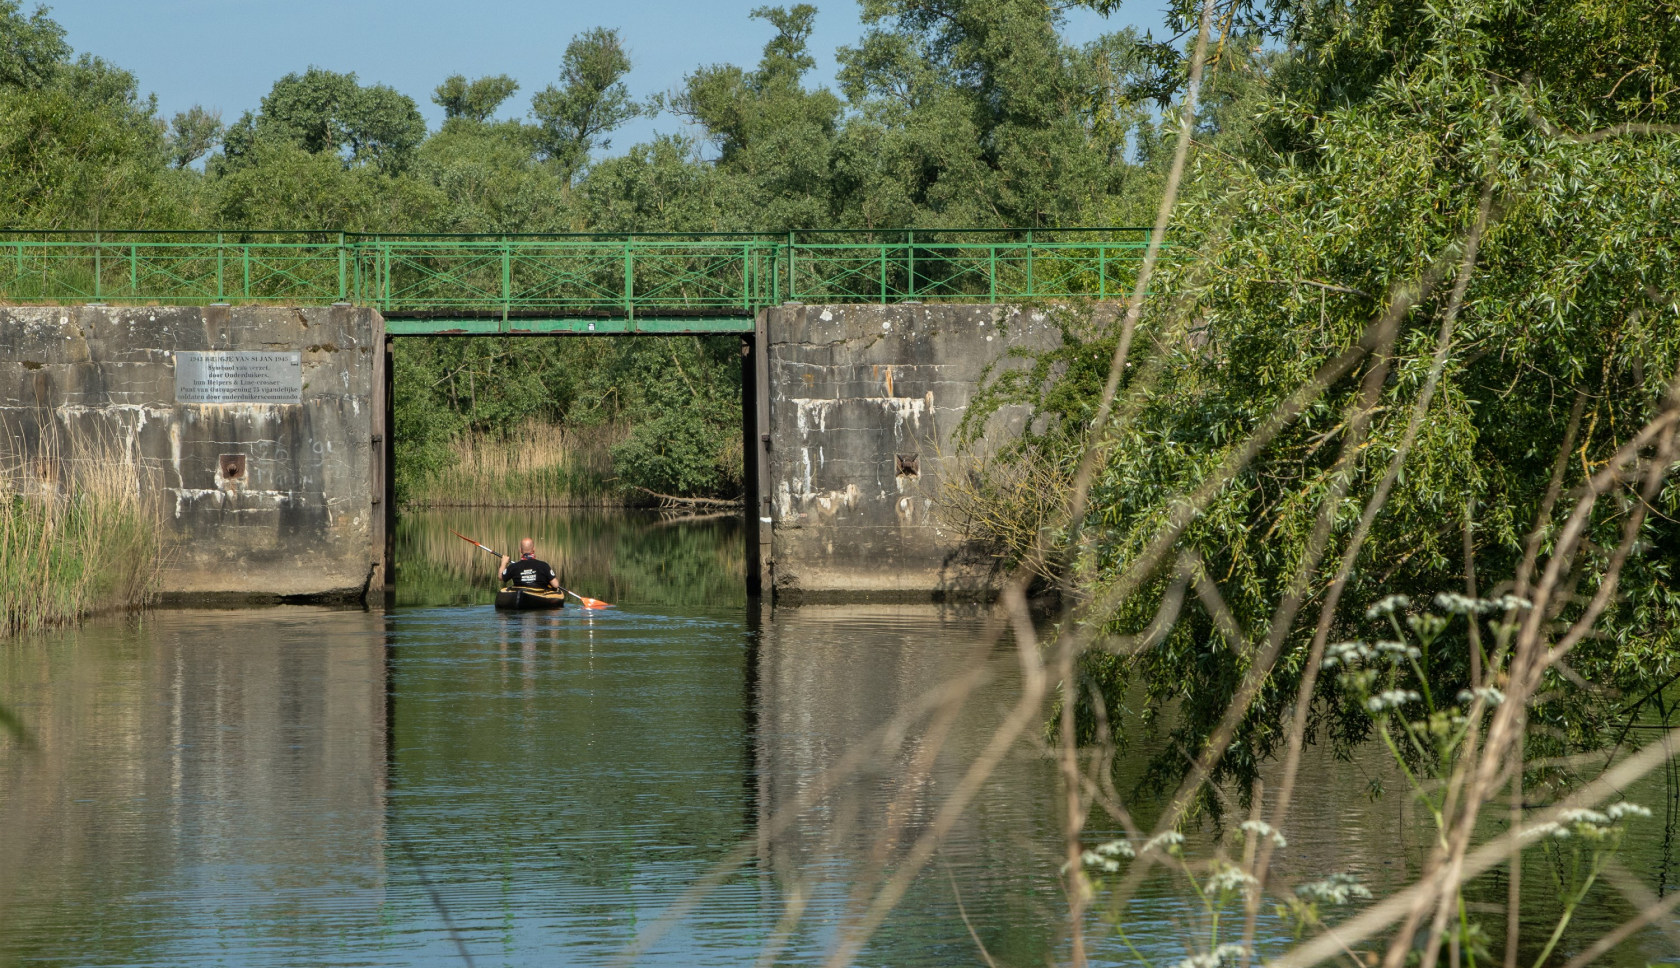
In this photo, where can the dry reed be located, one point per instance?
(76, 537)
(538, 464)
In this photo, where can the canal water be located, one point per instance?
(673, 782)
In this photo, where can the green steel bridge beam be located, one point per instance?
(631, 283)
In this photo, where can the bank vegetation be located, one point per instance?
(76, 537)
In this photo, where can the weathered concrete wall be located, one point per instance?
(864, 403)
(300, 520)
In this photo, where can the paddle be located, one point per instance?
(583, 600)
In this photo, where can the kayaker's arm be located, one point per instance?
(501, 569)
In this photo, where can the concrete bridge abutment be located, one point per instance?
(262, 501)
(849, 425)
(864, 404)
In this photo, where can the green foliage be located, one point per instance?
(192, 134)
(1287, 250)
(324, 112)
(958, 113)
(474, 101)
(79, 148)
(32, 48)
(591, 101)
(982, 115)
(686, 416)
(680, 395)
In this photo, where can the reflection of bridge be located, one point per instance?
(642, 282)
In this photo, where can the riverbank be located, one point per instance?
(75, 537)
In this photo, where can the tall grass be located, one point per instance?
(75, 535)
(538, 464)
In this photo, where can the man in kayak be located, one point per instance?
(529, 571)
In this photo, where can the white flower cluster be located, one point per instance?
(1222, 955)
(1487, 694)
(1588, 824)
(1458, 604)
(1262, 829)
(1169, 842)
(1427, 626)
(1347, 653)
(1388, 606)
(1335, 889)
(1464, 605)
(1399, 650)
(1229, 878)
(1617, 811)
(1352, 654)
(1391, 699)
(1106, 857)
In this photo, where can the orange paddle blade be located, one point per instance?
(588, 602)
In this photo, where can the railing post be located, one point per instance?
(994, 271)
(883, 274)
(133, 270)
(793, 285)
(220, 295)
(507, 281)
(910, 240)
(98, 269)
(1029, 262)
(746, 276)
(245, 259)
(341, 276)
(1102, 271)
(629, 284)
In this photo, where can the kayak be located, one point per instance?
(523, 599)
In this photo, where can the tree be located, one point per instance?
(31, 48)
(590, 102)
(774, 137)
(323, 111)
(80, 147)
(491, 179)
(382, 128)
(474, 100)
(982, 114)
(192, 134)
(1380, 144)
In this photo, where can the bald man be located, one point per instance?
(528, 571)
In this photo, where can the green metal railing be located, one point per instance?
(632, 282)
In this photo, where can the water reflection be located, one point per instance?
(626, 557)
(829, 678)
(301, 786)
(197, 782)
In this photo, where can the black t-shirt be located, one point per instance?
(528, 573)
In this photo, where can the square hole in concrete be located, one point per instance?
(232, 467)
(909, 465)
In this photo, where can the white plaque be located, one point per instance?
(233, 376)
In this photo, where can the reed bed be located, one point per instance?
(538, 464)
(75, 535)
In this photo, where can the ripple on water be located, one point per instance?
(307, 786)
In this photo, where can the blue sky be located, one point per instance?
(227, 53)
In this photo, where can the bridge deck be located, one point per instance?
(437, 284)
